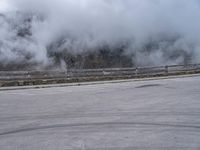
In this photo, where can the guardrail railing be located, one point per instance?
(137, 71)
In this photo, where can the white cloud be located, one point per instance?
(85, 24)
(4, 6)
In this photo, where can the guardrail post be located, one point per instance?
(136, 71)
(104, 73)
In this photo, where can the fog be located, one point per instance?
(152, 32)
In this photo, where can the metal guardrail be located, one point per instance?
(137, 72)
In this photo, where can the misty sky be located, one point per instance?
(172, 25)
(3, 5)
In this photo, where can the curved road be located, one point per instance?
(144, 115)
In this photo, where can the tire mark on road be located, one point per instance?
(95, 125)
(91, 115)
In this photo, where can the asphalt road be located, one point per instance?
(144, 115)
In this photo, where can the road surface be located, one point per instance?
(141, 115)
